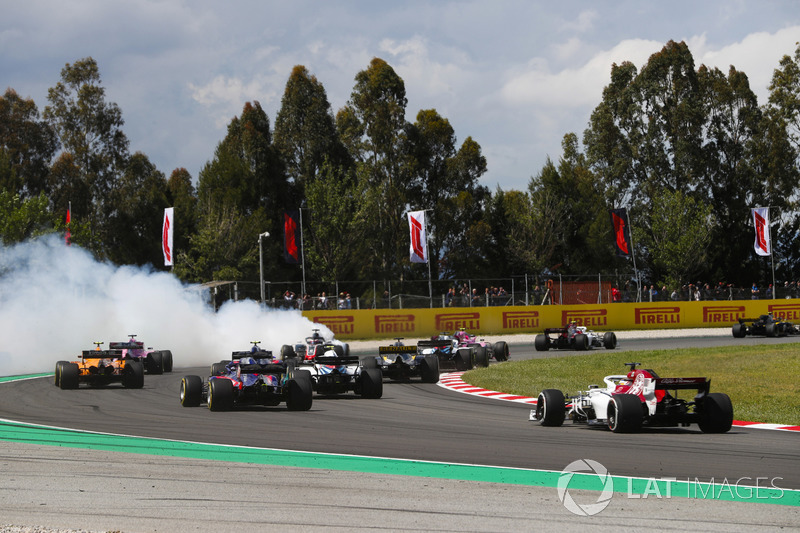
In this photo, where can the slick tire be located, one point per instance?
(70, 376)
(625, 413)
(717, 413)
(550, 408)
(133, 375)
(191, 391)
(300, 393)
(220, 394)
(429, 369)
(371, 383)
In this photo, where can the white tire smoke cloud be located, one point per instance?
(56, 300)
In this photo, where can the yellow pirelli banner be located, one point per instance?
(415, 323)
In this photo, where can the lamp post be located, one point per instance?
(261, 263)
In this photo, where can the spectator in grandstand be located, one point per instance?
(754, 292)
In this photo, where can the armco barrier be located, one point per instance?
(412, 323)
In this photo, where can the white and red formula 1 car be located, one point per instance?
(638, 398)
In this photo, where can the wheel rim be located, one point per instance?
(183, 390)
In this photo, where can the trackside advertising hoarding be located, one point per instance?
(418, 323)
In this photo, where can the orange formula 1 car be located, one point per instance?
(98, 368)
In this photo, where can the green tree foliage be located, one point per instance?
(28, 142)
(674, 240)
(699, 132)
(139, 197)
(22, 219)
(90, 131)
(182, 196)
(373, 128)
(305, 130)
(337, 225)
(244, 181)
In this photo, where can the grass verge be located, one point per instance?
(762, 381)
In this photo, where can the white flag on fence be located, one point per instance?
(419, 238)
(763, 246)
(166, 236)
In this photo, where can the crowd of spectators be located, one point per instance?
(464, 297)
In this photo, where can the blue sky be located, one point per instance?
(514, 75)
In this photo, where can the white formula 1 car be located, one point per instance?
(638, 398)
(573, 337)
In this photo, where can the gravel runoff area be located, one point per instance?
(511, 339)
(527, 338)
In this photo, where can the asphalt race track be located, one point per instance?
(423, 422)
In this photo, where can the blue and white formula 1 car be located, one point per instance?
(452, 355)
(250, 378)
(400, 363)
(638, 398)
(333, 372)
(311, 347)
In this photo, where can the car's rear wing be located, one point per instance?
(336, 360)
(698, 384)
(260, 354)
(559, 331)
(387, 350)
(439, 344)
(126, 345)
(101, 354)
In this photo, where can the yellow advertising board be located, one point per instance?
(416, 323)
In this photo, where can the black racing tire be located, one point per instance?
(133, 375)
(551, 410)
(191, 391)
(429, 369)
(465, 359)
(739, 330)
(287, 352)
(541, 343)
(155, 363)
(70, 376)
(625, 413)
(300, 391)
(481, 356)
(369, 362)
(717, 413)
(581, 341)
(218, 369)
(346, 349)
(57, 373)
(167, 360)
(220, 394)
(609, 340)
(500, 351)
(371, 383)
(771, 330)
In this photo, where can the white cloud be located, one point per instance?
(537, 85)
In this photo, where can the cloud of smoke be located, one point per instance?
(57, 300)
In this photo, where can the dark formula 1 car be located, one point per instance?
(574, 337)
(333, 372)
(766, 325)
(311, 347)
(451, 355)
(497, 351)
(250, 378)
(401, 363)
(99, 368)
(638, 398)
(154, 361)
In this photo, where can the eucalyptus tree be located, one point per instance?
(136, 223)
(29, 144)
(305, 130)
(90, 131)
(372, 127)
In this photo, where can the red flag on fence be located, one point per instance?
(68, 235)
(291, 237)
(622, 233)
